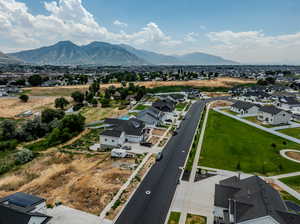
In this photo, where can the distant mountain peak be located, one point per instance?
(103, 53)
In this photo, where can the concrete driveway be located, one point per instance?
(66, 215)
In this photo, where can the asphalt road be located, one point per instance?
(161, 181)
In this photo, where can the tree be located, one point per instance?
(94, 88)
(105, 102)
(35, 80)
(24, 98)
(61, 103)
(24, 156)
(49, 115)
(94, 102)
(8, 130)
(78, 97)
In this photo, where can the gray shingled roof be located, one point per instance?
(253, 198)
(244, 105)
(132, 126)
(270, 109)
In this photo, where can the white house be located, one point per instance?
(121, 131)
(273, 115)
(289, 103)
(245, 108)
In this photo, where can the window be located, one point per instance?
(112, 140)
(105, 139)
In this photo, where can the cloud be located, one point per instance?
(257, 47)
(191, 37)
(119, 23)
(67, 20)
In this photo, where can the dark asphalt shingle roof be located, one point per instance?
(289, 100)
(253, 198)
(164, 105)
(270, 110)
(112, 133)
(132, 126)
(244, 105)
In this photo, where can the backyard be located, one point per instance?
(232, 145)
(181, 106)
(294, 132)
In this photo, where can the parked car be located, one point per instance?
(159, 156)
(147, 144)
(126, 147)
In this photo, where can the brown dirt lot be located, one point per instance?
(67, 90)
(154, 140)
(10, 107)
(82, 182)
(221, 103)
(159, 132)
(98, 113)
(294, 155)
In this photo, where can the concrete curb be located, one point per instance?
(284, 151)
(127, 183)
(187, 157)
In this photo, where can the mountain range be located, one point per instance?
(102, 53)
(5, 59)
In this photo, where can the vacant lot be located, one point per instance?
(10, 107)
(80, 181)
(67, 90)
(159, 132)
(233, 145)
(293, 182)
(294, 132)
(97, 113)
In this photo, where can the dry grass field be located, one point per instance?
(67, 90)
(10, 107)
(79, 181)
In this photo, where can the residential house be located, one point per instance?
(152, 117)
(289, 104)
(250, 201)
(21, 208)
(120, 131)
(164, 105)
(273, 115)
(255, 97)
(245, 108)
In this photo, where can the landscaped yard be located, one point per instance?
(180, 106)
(229, 111)
(293, 182)
(294, 132)
(254, 120)
(174, 218)
(195, 219)
(141, 107)
(232, 145)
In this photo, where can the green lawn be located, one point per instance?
(180, 106)
(174, 218)
(292, 182)
(254, 120)
(294, 132)
(287, 197)
(232, 145)
(195, 219)
(141, 107)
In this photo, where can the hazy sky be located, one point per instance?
(248, 31)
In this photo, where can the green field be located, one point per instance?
(174, 218)
(232, 145)
(294, 132)
(141, 107)
(292, 182)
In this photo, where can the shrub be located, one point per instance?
(24, 98)
(8, 145)
(24, 156)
